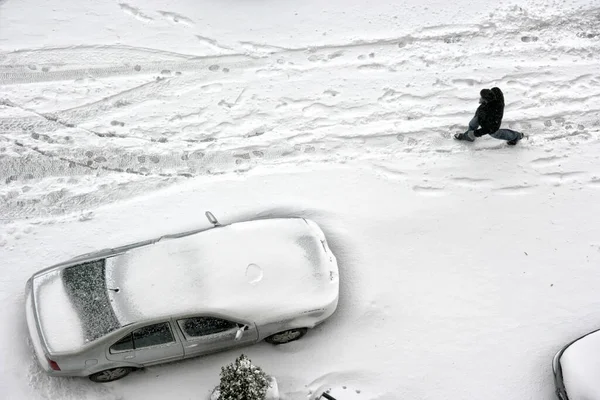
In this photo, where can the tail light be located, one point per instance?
(53, 364)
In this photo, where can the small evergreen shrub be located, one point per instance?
(241, 380)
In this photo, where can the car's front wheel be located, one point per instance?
(286, 336)
(110, 375)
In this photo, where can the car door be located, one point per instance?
(148, 345)
(208, 334)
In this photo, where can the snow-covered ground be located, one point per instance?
(464, 267)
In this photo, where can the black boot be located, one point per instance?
(468, 136)
(515, 141)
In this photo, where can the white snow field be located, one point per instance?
(464, 267)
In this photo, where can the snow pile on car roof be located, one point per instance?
(256, 271)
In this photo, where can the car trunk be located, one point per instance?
(72, 307)
(57, 320)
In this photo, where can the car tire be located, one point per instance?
(110, 375)
(286, 336)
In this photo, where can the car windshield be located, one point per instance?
(85, 285)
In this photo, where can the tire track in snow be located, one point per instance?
(49, 123)
(90, 165)
(449, 34)
(92, 54)
(52, 64)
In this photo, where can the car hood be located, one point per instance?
(580, 364)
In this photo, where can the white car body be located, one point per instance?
(577, 369)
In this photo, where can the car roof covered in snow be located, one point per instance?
(253, 271)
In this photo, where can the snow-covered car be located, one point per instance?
(576, 369)
(107, 313)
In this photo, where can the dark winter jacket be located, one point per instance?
(490, 112)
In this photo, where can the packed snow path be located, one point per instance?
(81, 126)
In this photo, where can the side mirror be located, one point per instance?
(211, 218)
(240, 332)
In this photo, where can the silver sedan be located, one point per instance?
(105, 314)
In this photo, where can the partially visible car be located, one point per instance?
(104, 314)
(576, 369)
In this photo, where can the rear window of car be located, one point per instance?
(85, 285)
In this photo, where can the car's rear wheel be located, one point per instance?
(110, 375)
(286, 336)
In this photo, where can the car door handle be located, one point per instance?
(192, 345)
(128, 357)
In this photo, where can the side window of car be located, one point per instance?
(147, 336)
(152, 335)
(202, 326)
(125, 344)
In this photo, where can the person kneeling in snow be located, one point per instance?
(489, 116)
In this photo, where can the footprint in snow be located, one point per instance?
(176, 18)
(86, 216)
(241, 157)
(135, 12)
(513, 190)
(256, 132)
(429, 190)
(452, 39)
(336, 54)
(528, 39)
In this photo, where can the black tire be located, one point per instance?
(110, 375)
(286, 336)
